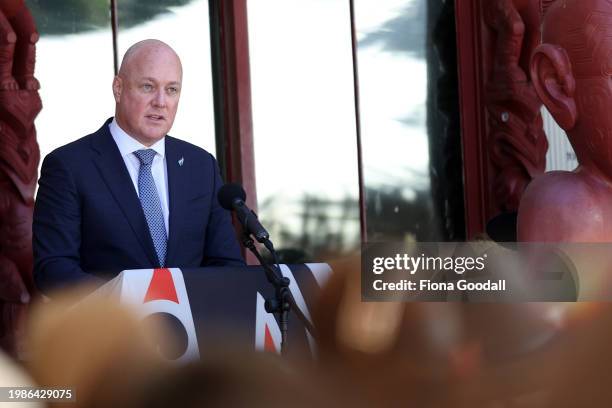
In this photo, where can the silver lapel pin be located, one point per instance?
(181, 161)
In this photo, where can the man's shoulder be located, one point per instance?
(76, 148)
(72, 148)
(184, 146)
(73, 151)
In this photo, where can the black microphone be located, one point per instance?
(231, 197)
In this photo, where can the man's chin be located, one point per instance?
(151, 138)
(155, 132)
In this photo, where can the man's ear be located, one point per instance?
(117, 88)
(552, 78)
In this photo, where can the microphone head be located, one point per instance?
(229, 193)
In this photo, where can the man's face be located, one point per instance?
(147, 94)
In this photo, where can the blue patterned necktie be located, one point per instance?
(149, 199)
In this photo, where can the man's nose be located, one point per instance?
(160, 99)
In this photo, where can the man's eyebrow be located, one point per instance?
(154, 80)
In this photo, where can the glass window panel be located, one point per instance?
(304, 125)
(184, 25)
(74, 64)
(398, 131)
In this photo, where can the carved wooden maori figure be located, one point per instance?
(19, 158)
(18, 37)
(572, 72)
(517, 143)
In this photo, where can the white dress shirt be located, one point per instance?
(127, 146)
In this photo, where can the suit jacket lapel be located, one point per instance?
(112, 168)
(178, 190)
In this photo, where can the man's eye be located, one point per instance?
(147, 87)
(172, 90)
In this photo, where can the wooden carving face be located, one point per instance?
(583, 29)
(594, 104)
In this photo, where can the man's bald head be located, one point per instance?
(144, 49)
(147, 90)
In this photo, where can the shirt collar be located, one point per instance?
(127, 144)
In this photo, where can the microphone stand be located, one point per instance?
(283, 300)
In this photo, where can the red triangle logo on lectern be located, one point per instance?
(269, 341)
(161, 287)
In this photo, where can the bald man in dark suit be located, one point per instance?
(129, 196)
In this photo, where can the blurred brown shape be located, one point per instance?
(226, 378)
(451, 354)
(583, 377)
(12, 375)
(96, 346)
(387, 354)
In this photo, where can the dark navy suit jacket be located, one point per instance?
(88, 218)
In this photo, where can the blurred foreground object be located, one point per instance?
(97, 347)
(13, 376)
(387, 353)
(457, 354)
(105, 353)
(243, 379)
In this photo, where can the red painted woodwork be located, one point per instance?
(473, 126)
(19, 158)
(236, 79)
(237, 112)
(571, 73)
(515, 135)
(504, 145)
(18, 37)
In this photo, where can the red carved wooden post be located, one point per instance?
(19, 158)
(516, 141)
(504, 145)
